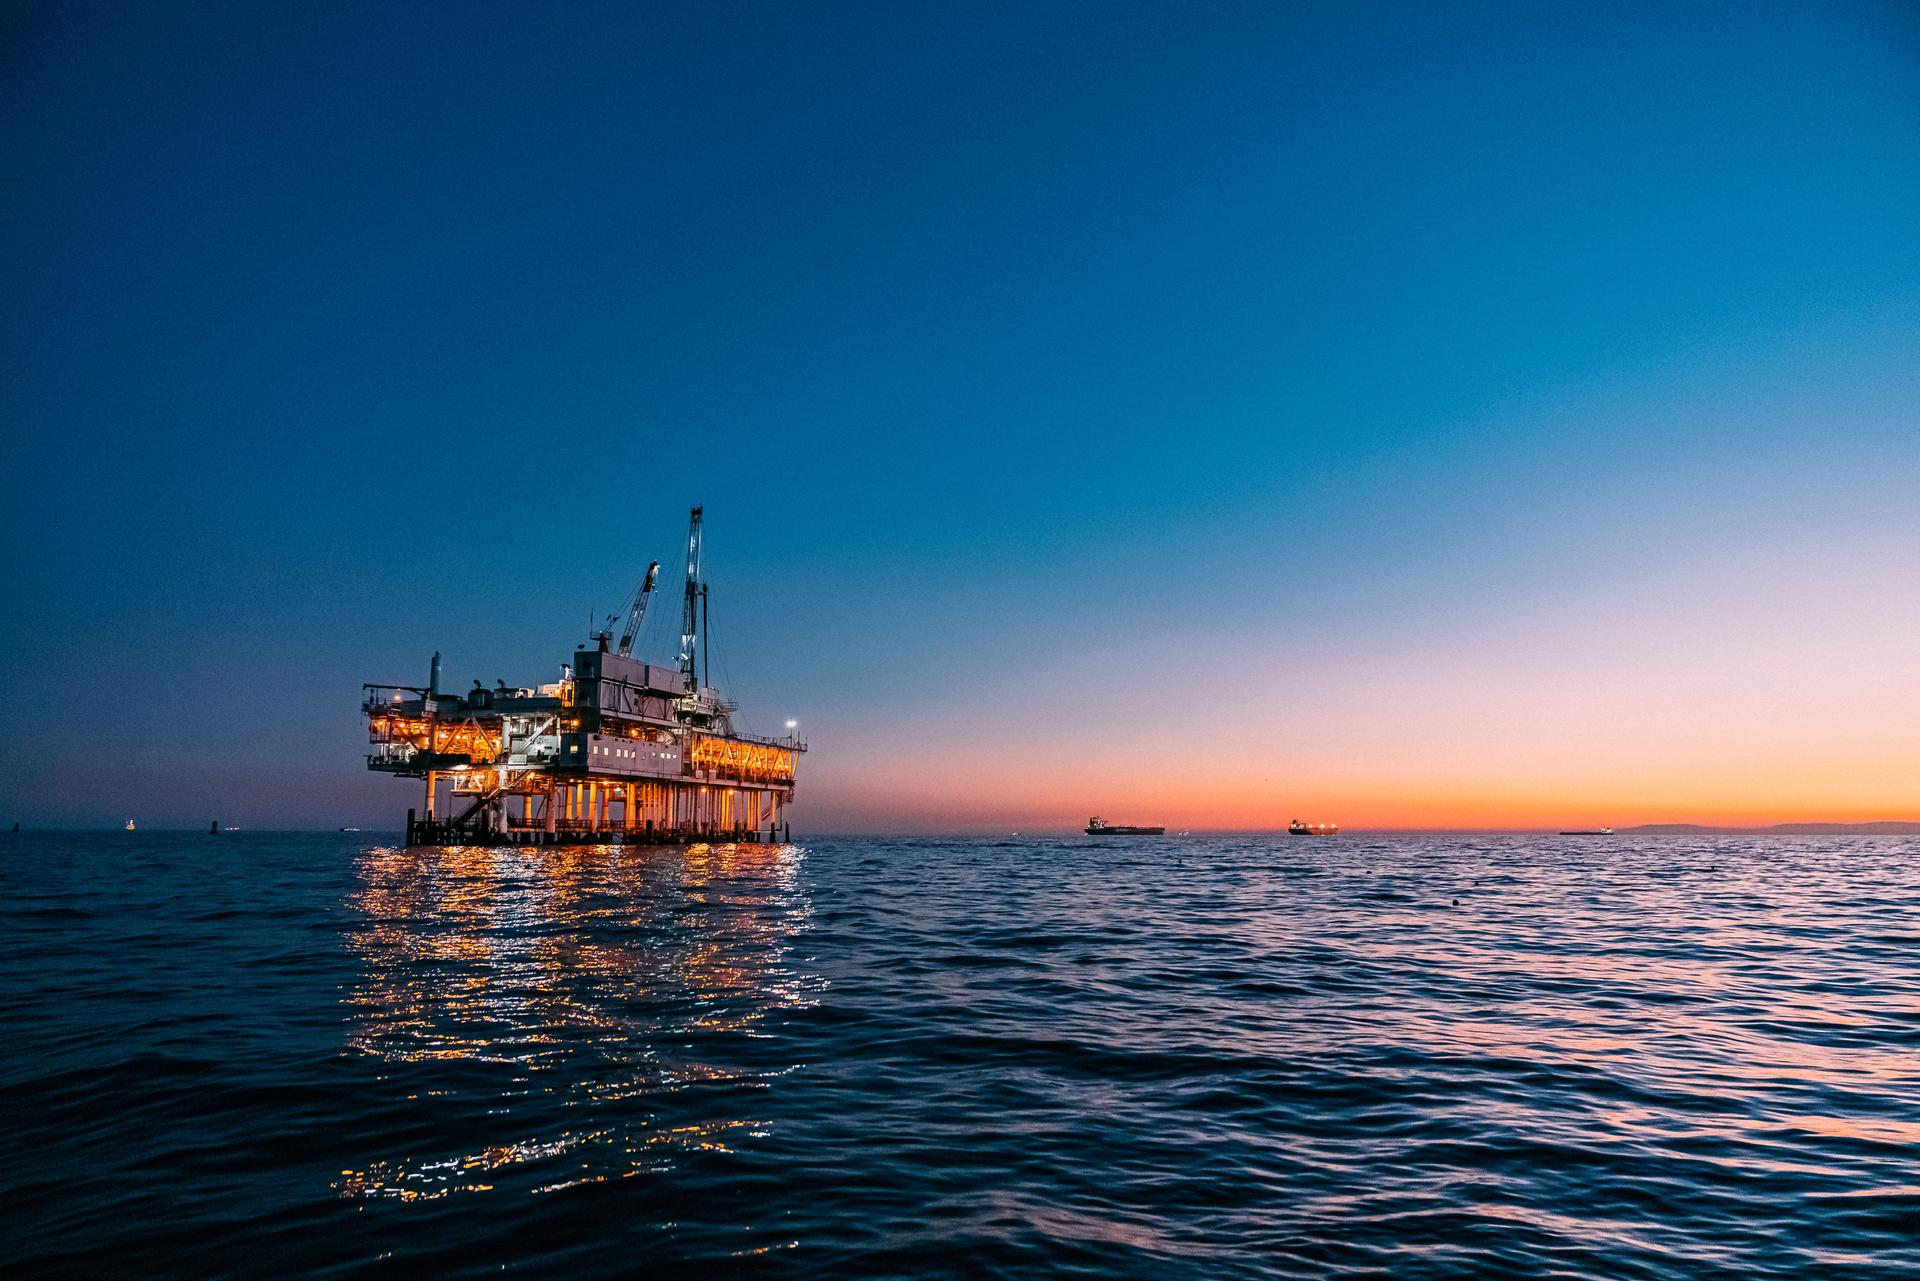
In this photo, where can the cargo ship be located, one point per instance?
(1589, 831)
(1297, 828)
(619, 750)
(1100, 827)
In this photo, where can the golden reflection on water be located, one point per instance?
(519, 990)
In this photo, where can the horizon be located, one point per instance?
(1412, 419)
(1059, 829)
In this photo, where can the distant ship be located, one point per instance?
(349, 829)
(1590, 831)
(129, 825)
(1297, 828)
(1100, 827)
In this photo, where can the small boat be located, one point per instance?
(1100, 827)
(1297, 828)
(1590, 831)
(349, 829)
(129, 825)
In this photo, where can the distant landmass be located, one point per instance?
(1894, 828)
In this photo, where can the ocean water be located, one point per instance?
(280, 1055)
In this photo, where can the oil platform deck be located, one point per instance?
(617, 751)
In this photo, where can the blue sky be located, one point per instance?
(1014, 351)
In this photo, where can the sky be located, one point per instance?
(1211, 414)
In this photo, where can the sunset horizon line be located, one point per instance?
(1055, 826)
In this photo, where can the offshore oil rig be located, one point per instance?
(617, 751)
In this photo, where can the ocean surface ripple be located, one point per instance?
(1404, 1057)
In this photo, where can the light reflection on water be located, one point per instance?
(1219, 1057)
(581, 984)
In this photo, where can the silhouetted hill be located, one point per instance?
(1900, 827)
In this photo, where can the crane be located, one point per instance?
(638, 610)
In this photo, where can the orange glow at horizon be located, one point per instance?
(1249, 800)
(1772, 686)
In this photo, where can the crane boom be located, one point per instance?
(639, 610)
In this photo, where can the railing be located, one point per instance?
(792, 742)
